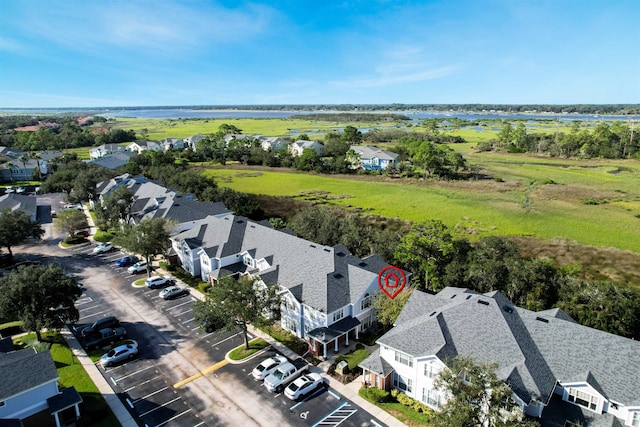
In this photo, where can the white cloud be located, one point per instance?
(11, 45)
(154, 27)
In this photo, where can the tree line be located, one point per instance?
(618, 140)
(436, 259)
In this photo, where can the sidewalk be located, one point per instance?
(104, 388)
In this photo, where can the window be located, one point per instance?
(337, 315)
(583, 399)
(635, 419)
(430, 370)
(290, 324)
(404, 359)
(401, 383)
(466, 377)
(431, 397)
(366, 322)
(247, 260)
(366, 302)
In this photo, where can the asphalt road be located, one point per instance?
(180, 377)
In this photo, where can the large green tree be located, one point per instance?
(237, 302)
(388, 309)
(149, 237)
(16, 227)
(476, 398)
(425, 251)
(114, 209)
(42, 296)
(70, 220)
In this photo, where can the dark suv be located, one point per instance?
(104, 323)
(104, 336)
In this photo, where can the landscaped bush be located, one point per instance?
(375, 395)
(166, 266)
(409, 402)
(74, 240)
(287, 338)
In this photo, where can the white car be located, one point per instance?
(158, 281)
(303, 385)
(119, 353)
(138, 267)
(103, 248)
(72, 207)
(267, 366)
(173, 292)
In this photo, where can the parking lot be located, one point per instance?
(180, 377)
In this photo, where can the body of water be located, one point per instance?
(179, 113)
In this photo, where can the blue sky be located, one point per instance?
(67, 53)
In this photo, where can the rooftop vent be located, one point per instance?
(313, 246)
(252, 226)
(508, 309)
(340, 253)
(338, 276)
(469, 296)
(327, 250)
(432, 313)
(483, 302)
(453, 296)
(362, 264)
(543, 320)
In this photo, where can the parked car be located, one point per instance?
(303, 385)
(154, 282)
(120, 353)
(126, 261)
(138, 267)
(105, 322)
(72, 207)
(173, 292)
(104, 336)
(103, 248)
(20, 190)
(82, 233)
(267, 366)
(9, 189)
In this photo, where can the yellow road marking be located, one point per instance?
(209, 370)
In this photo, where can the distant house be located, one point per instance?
(139, 146)
(20, 202)
(29, 394)
(104, 150)
(296, 148)
(327, 293)
(374, 158)
(274, 143)
(169, 144)
(114, 160)
(193, 140)
(85, 121)
(564, 373)
(40, 125)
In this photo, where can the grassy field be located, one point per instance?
(527, 203)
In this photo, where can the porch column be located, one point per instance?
(336, 344)
(357, 330)
(346, 344)
(314, 344)
(57, 419)
(77, 411)
(325, 350)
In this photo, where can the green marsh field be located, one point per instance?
(575, 209)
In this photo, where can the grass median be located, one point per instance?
(255, 345)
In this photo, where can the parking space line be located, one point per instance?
(150, 394)
(136, 372)
(209, 370)
(142, 383)
(333, 394)
(159, 406)
(173, 418)
(88, 308)
(93, 314)
(199, 424)
(180, 305)
(181, 313)
(226, 339)
(83, 300)
(188, 320)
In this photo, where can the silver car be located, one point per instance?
(118, 354)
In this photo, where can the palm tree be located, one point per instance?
(10, 167)
(24, 159)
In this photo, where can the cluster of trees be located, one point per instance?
(511, 108)
(76, 179)
(438, 259)
(68, 135)
(608, 140)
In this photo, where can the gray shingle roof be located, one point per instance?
(369, 152)
(532, 350)
(23, 370)
(315, 274)
(376, 364)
